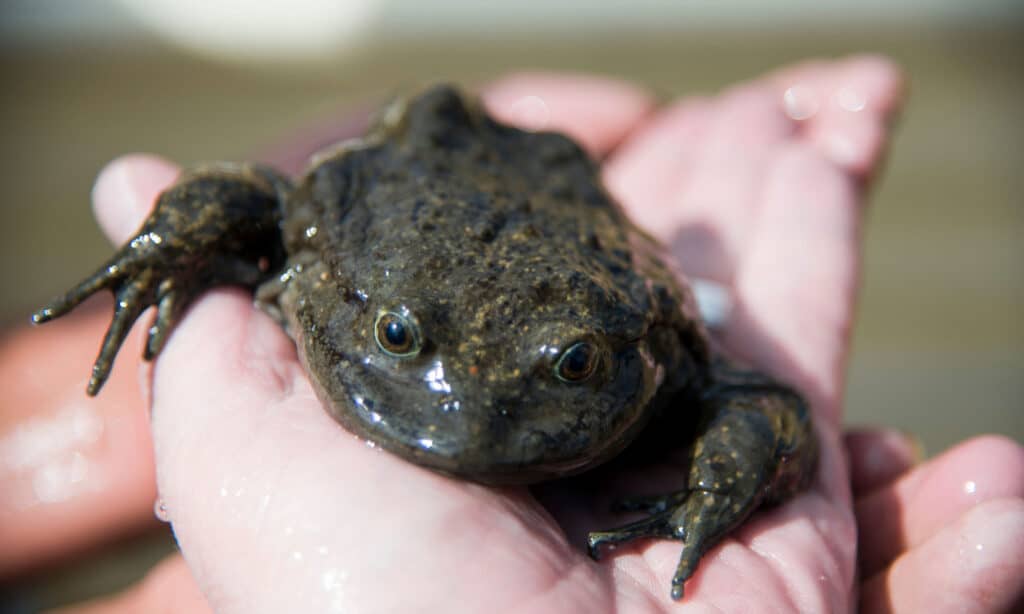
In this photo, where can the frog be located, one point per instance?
(469, 296)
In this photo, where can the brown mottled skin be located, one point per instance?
(468, 296)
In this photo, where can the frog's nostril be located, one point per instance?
(511, 411)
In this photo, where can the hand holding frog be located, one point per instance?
(335, 526)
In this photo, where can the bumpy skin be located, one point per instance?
(499, 255)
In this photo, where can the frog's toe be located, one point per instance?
(130, 300)
(655, 525)
(106, 277)
(693, 550)
(171, 301)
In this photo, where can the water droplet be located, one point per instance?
(160, 510)
(333, 579)
(714, 301)
(800, 102)
(850, 99)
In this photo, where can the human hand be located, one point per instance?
(282, 463)
(298, 504)
(943, 536)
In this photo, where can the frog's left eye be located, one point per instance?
(397, 334)
(577, 363)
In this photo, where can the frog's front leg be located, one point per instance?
(755, 444)
(216, 225)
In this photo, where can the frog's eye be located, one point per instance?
(577, 363)
(397, 334)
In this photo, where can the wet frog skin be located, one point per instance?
(467, 295)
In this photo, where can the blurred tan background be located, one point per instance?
(939, 348)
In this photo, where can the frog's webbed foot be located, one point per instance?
(135, 288)
(216, 225)
(755, 445)
(699, 520)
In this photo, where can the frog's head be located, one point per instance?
(493, 377)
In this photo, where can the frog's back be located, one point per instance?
(443, 175)
(440, 196)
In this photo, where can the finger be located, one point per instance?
(974, 564)
(598, 112)
(799, 274)
(908, 512)
(691, 175)
(877, 457)
(168, 589)
(650, 166)
(126, 190)
(806, 251)
(844, 108)
(64, 456)
(750, 190)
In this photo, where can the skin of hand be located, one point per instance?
(277, 508)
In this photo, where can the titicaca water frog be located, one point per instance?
(468, 296)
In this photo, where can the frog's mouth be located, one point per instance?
(495, 451)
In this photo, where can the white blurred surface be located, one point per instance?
(305, 27)
(248, 30)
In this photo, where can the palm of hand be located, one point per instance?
(276, 508)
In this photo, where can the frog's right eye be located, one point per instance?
(397, 334)
(577, 363)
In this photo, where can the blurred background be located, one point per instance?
(939, 348)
